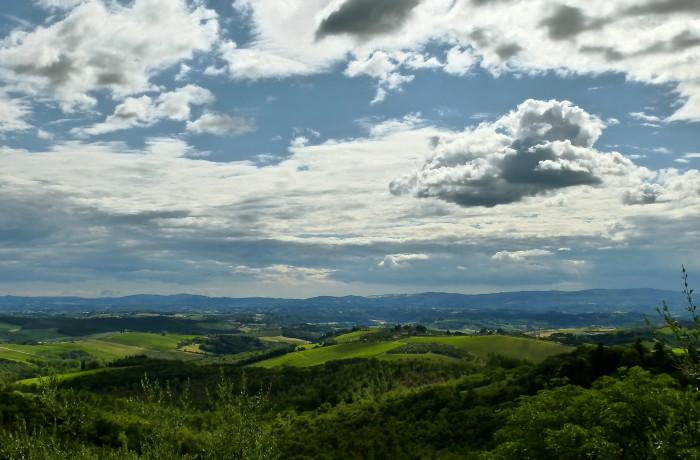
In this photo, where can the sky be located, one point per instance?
(295, 148)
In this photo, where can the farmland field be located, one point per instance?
(107, 348)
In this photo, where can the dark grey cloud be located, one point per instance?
(680, 42)
(609, 53)
(508, 51)
(366, 18)
(664, 7)
(58, 73)
(546, 146)
(568, 21)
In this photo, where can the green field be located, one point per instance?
(148, 341)
(107, 347)
(15, 355)
(481, 346)
(320, 355)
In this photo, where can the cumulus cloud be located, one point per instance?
(366, 18)
(145, 111)
(383, 67)
(547, 145)
(176, 104)
(106, 46)
(645, 193)
(458, 61)
(400, 261)
(217, 123)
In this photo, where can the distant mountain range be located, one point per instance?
(570, 302)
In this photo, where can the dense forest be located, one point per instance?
(595, 402)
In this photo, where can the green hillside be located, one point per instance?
(504, 345)
(480, 346)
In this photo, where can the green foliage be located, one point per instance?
(57, 423)
(687, 338)
(618, 418)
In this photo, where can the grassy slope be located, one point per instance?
(481, 346)
(72, 375)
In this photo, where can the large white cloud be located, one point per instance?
(546, 146)
(101, 45)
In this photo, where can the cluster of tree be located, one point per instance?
(304, 331)
(231, 344)
(430, 347)
(621, 337)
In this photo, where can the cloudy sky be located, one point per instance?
(296, 148)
